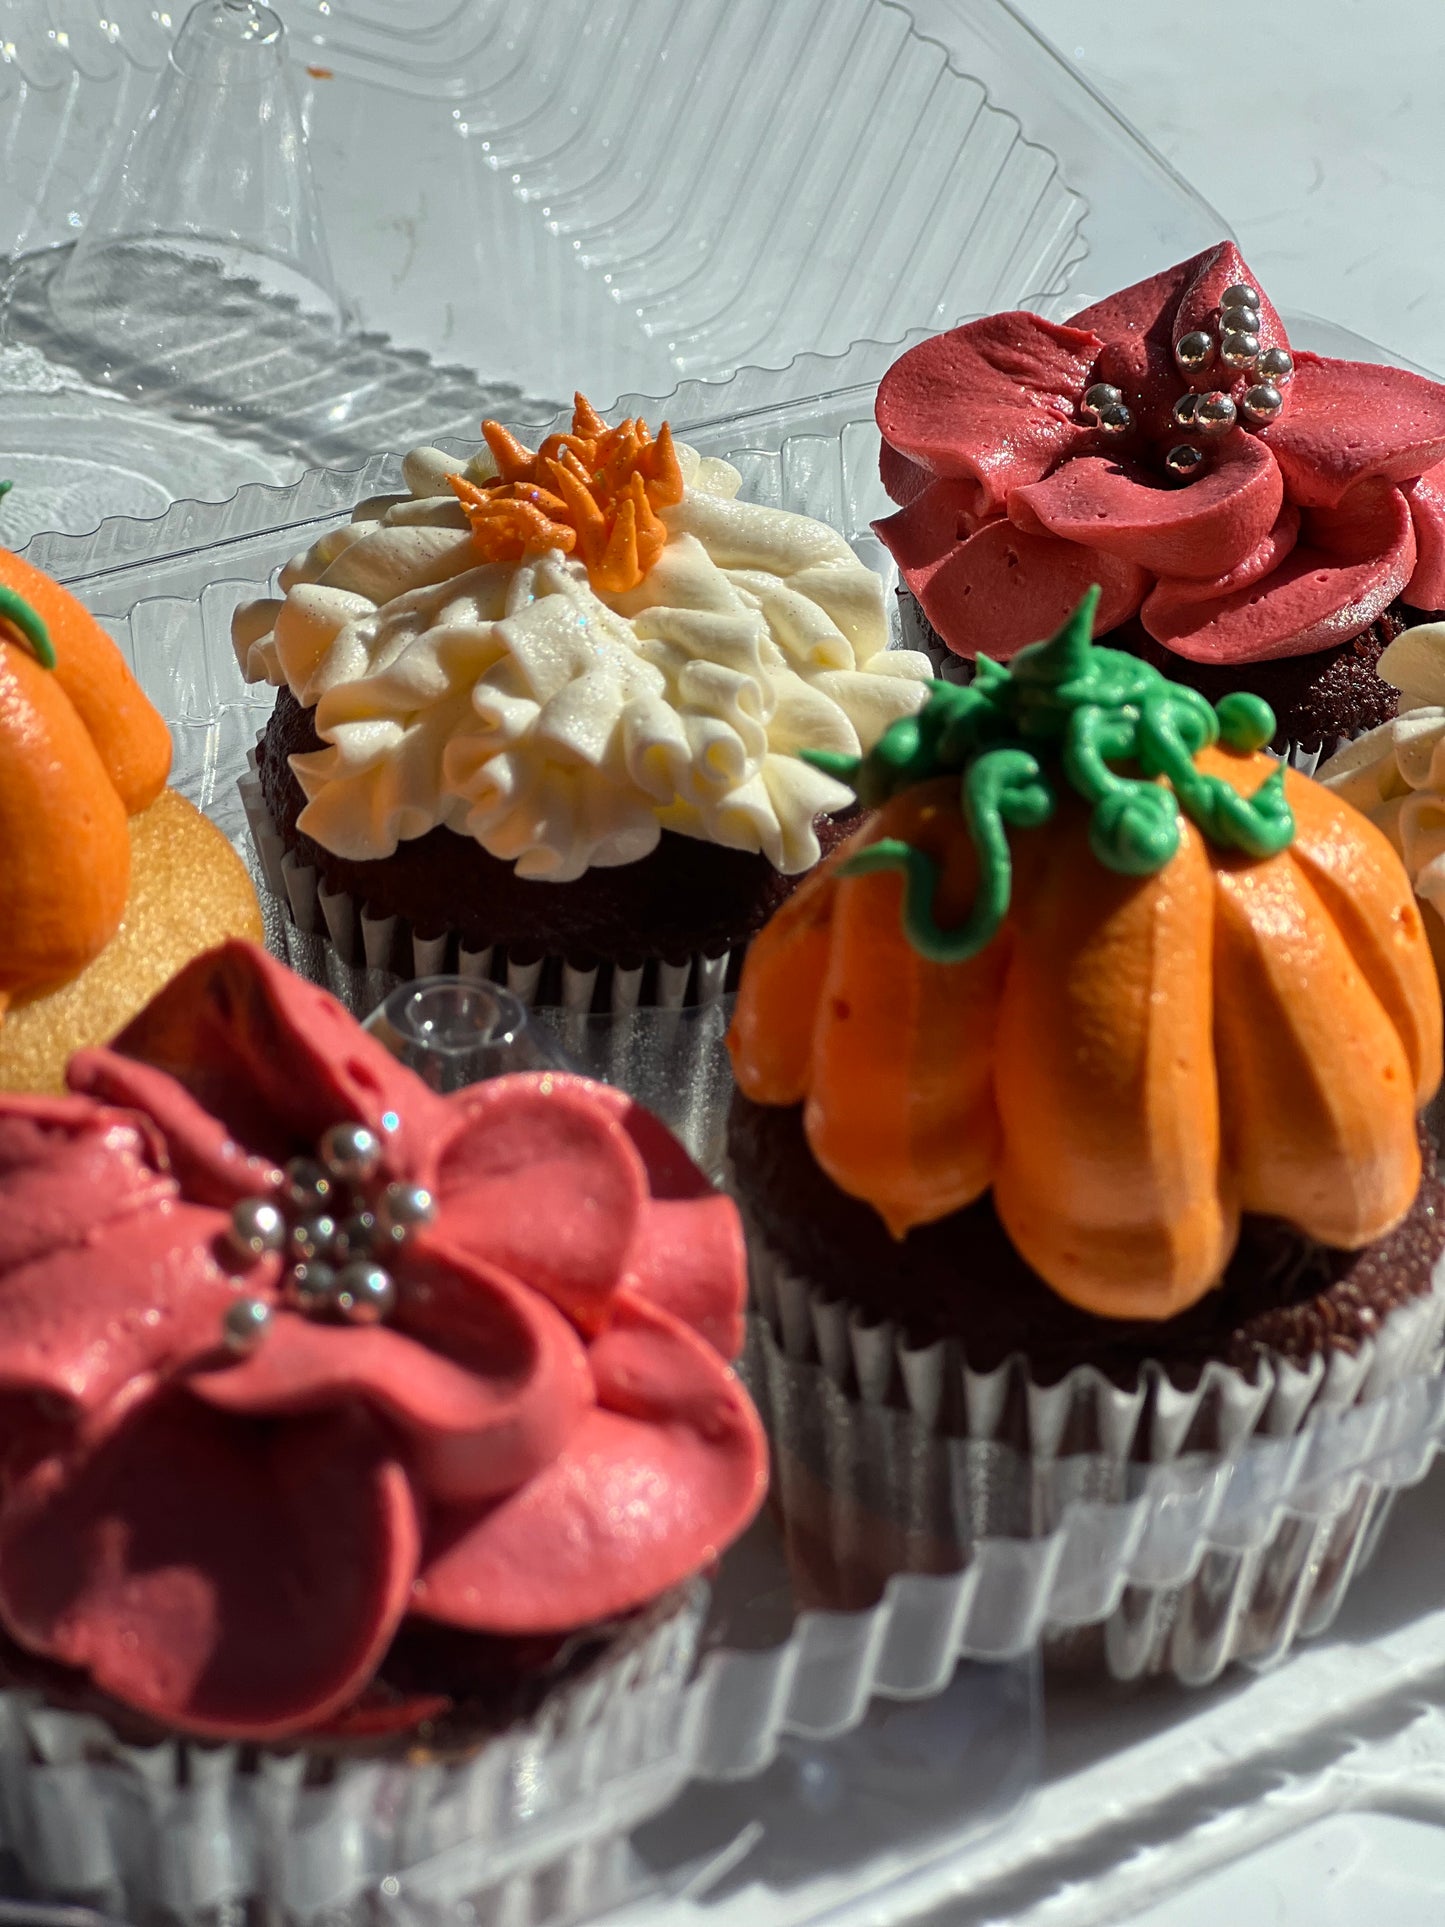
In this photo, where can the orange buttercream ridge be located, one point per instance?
(1132, 1053)
(1130, 1063)
(595, 493)
(80, 750)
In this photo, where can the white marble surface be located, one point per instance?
(1315, 128)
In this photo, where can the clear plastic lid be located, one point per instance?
(512, 201)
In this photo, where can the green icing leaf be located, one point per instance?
(1068, 707)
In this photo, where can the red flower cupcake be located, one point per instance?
(1258, 517)
(385, 1415)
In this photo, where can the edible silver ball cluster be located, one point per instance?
(1207, 416)
(1104, 405)
(336, 1227)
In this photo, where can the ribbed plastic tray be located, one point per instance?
(1316, 1791)
(527, 196)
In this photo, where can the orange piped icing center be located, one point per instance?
(594, 494)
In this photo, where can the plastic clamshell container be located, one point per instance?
(1278, 1530)
(523, 197)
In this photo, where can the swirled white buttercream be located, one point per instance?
(562, 729)
(1395, 775)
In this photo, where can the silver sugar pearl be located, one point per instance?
(311, 1237)
(401, 1208)
(256, 1227)
(1276, 365)
(1239, 294)
(365, 1294)
(1184, 459)
(1115, 420)
(1239, 350)
(1184, 410)
(1214, 416)
(1240, 321)
(350, 1152)
(1101, 396)
(313, 1287)
(244, 1325)
(308, 1184)
(1261, 404)
(1194, 351)
(355, 1236)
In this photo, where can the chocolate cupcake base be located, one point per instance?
(633, 933)
(1319, 700)
(1204, 1504)
(360, 954)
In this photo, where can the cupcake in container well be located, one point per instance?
(1079, 1108)
(1257, 517)
(538, 717)
(364, 1447)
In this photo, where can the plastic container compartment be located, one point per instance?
(525, 196)
(1284, 1527)
(1315, 1791)
(1268, 1541)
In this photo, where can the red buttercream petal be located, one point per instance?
(1216, 270)
(1426, 497)
(211, 1166)
(671, 1173)
(996, 401)
(229, 1577)
(1179, 592)
(1143, 306)
(1318, 597)
(478, 1419)
(905, 481)
(1348, 421)
(689, 1255)
(68, 1167)
(144, 1292)
(1137, 328)
(542, 1180)
(276, 1060)
(1002, 589)
(690, 1259)
(924, 536)
(1200, 530)
(1141, 325)
(652, 1486)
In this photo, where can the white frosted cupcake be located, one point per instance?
(546, 709)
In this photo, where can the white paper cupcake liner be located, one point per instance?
(192, 1832)
(1190, 1527)
(922, 1512)
(327, 937)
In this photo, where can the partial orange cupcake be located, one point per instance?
(109, 881)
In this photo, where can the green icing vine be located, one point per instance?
(1085, 708)
(15, 610)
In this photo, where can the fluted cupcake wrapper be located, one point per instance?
(329, 938)
(188, 1832)
(1181, 1527)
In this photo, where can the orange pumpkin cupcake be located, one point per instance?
(109, 881)
(1091, 1070)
